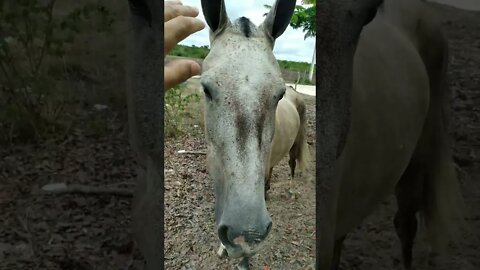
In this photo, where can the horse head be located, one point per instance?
(243, 85)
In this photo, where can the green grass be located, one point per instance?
(294, 66)
(191, 52)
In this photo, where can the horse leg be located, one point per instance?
(337, 252)
(293, 160)
(406, 226)
(408, 193)
(293, 163)
(267, 183)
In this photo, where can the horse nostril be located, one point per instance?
(223, 235)
(269, 227)
(228, 235)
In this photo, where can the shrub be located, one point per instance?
(30, 36)
(177, 110)
(190, 51)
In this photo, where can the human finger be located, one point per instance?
(178, 29)
(174, 10)
(179, 71)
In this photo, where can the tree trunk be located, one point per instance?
(312, 65)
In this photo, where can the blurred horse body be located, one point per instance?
(398, 138)
(290, 135)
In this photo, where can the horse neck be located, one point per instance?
(340, 26)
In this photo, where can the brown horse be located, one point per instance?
(290, 135)
(395, 139)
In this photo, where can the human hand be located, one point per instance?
(179, 23)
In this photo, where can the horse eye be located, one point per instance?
(207, 92)
(279, 97)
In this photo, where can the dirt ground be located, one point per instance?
(79, 232)
(374, 244)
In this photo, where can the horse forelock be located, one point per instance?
(244, 26)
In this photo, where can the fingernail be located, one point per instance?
(196, 68)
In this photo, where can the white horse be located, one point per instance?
(396, 139)
(244, 114)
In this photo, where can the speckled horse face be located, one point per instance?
(243, 84)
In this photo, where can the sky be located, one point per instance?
(289, 46)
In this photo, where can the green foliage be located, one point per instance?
(191, 52)
(30, 36)
(293, 66)
(177, 110)
(305, 81)
(303, 17)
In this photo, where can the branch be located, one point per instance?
(62, 188)
(47, 38)
(191, 152)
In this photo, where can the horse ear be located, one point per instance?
(215, 14)
(279, 17)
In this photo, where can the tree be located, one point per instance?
(304, 17)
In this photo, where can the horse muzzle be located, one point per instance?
(244, 243)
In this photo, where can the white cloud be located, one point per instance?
(289, 46)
